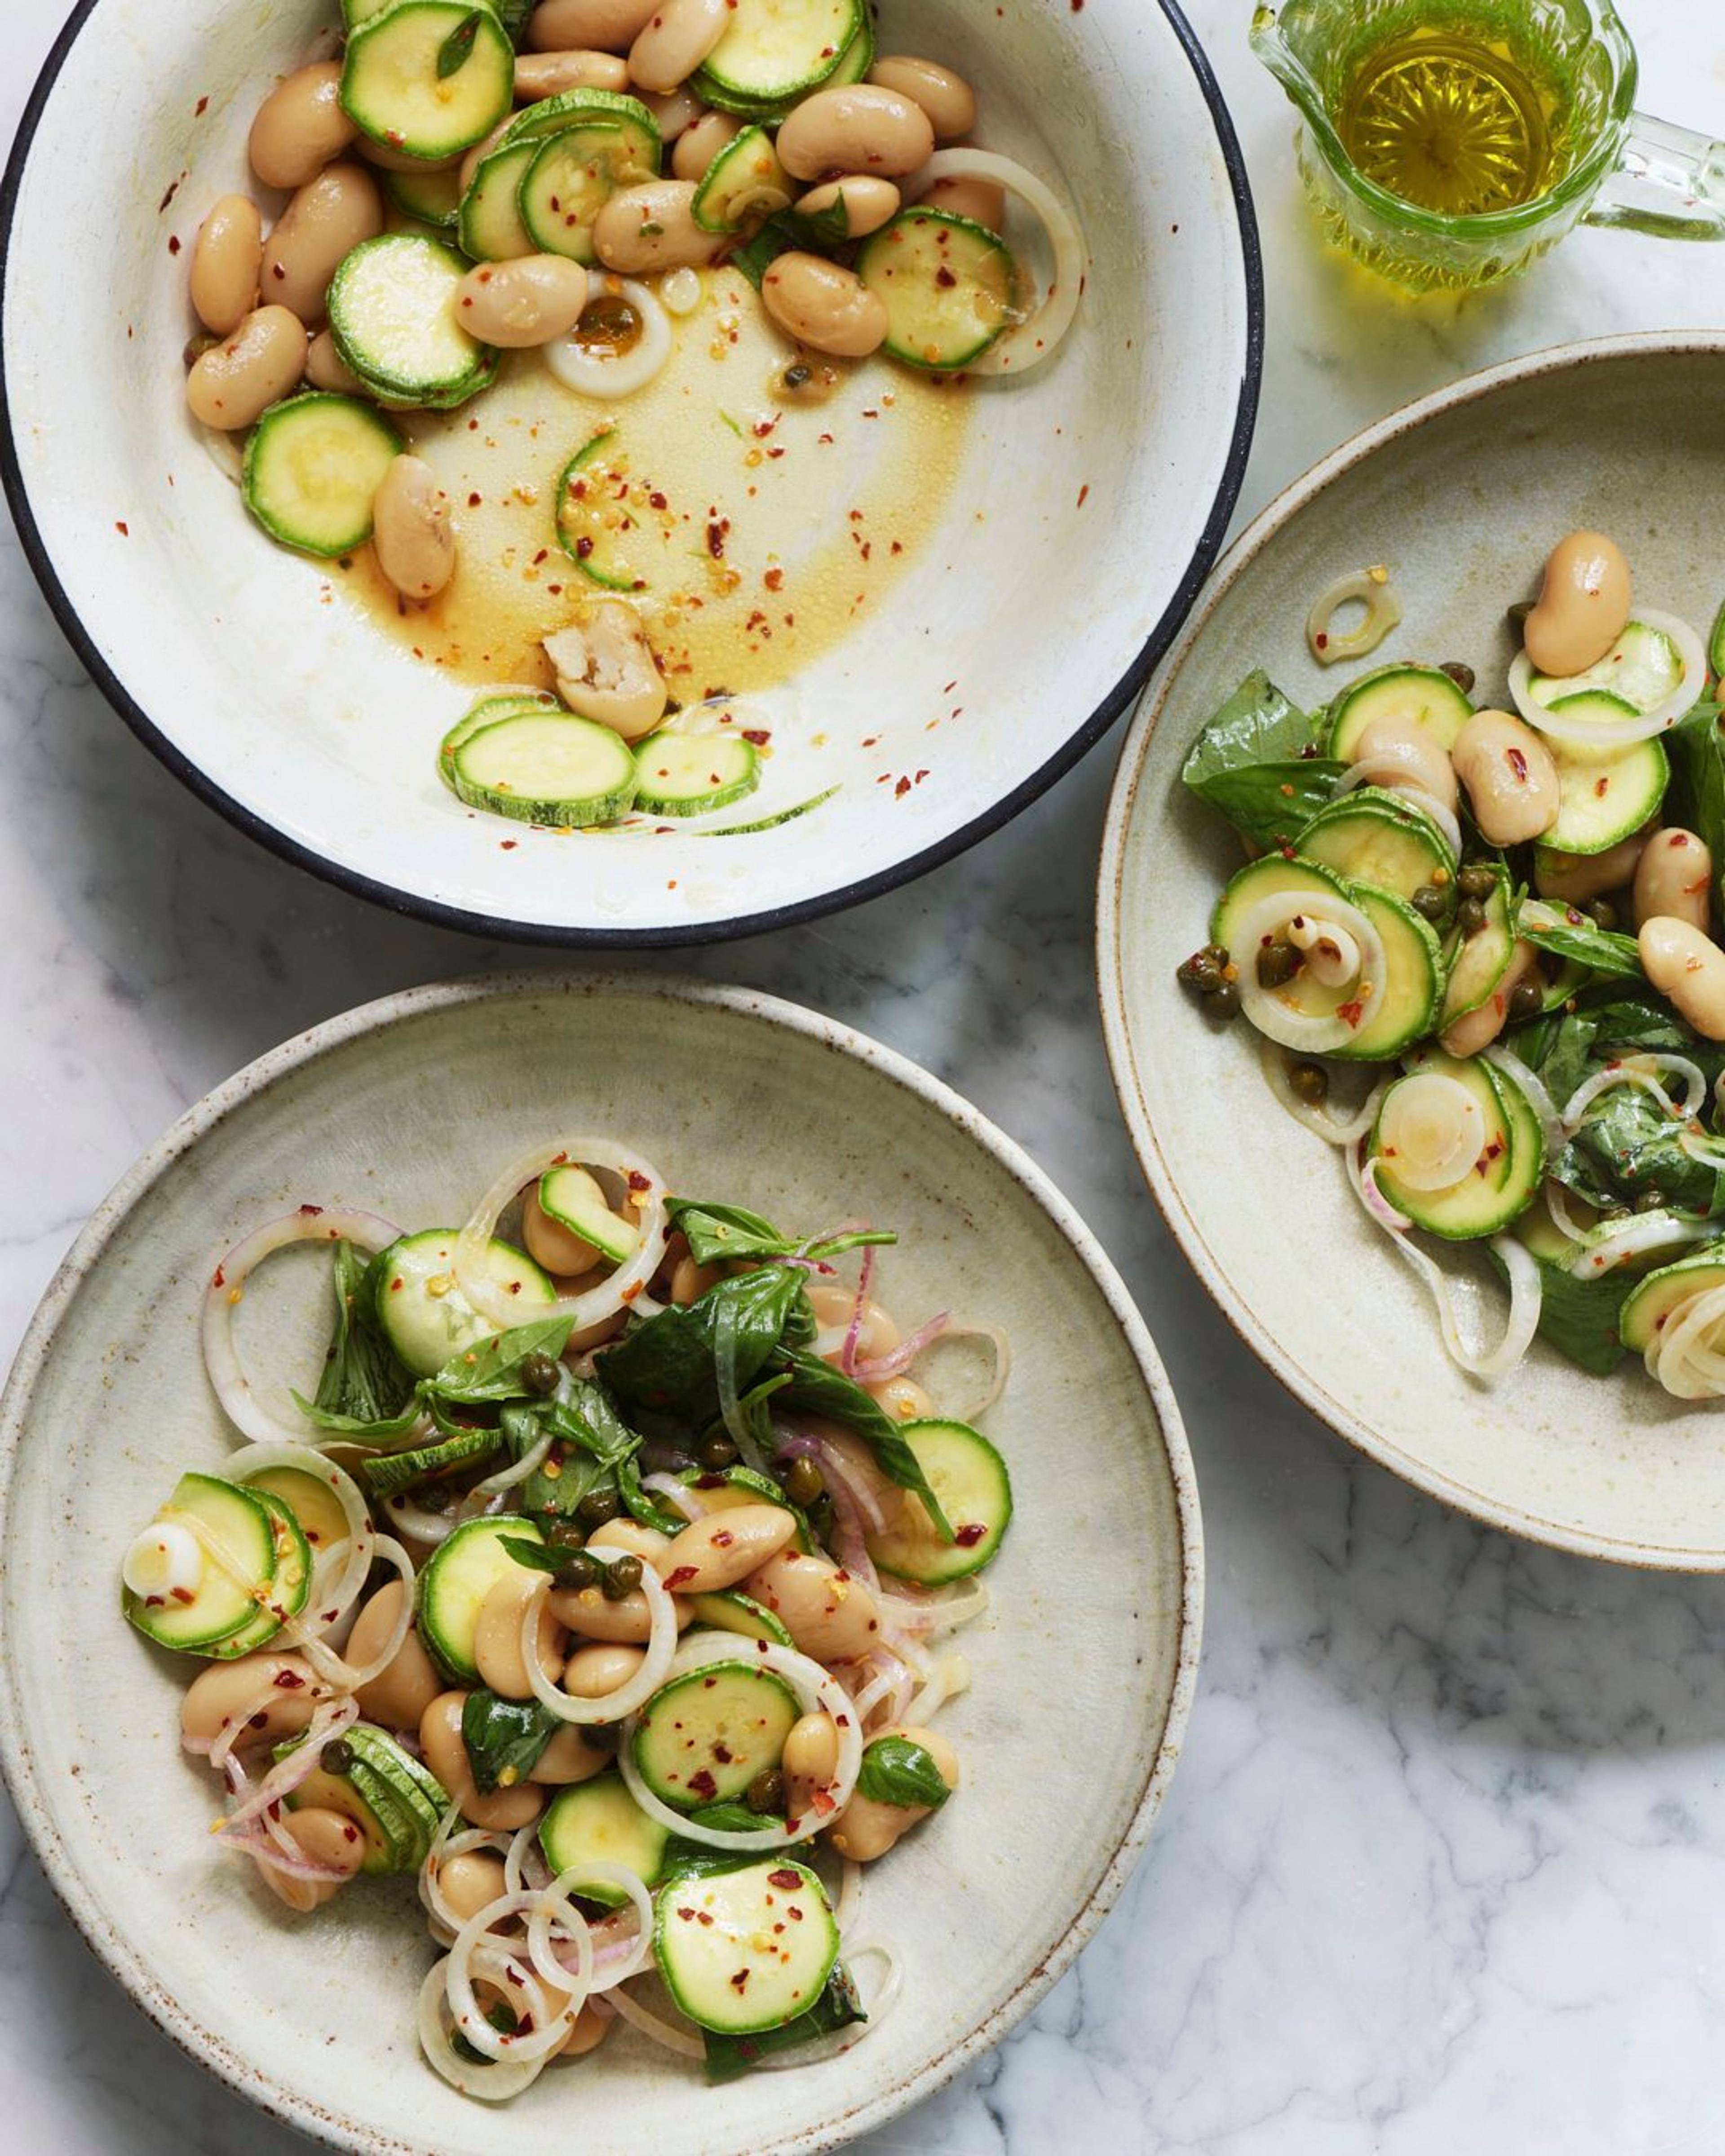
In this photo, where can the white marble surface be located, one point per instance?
(1444, 1866)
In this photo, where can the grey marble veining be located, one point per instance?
(1444, 1865)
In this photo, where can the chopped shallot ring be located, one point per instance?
(1370, 588)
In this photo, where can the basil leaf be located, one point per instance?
(717, 1232)
(1271, 803)
(1257, 725)
(357, 1425)
(896, 1770)
(699, 1859)
(452, 55)
(492, 1371)
(1697, 800)
(668, 1366)
(364, 1384)
(837, 2008)
(506, 1739)
(642, 1506)
(535, 1556)
(817, 1389)
(1627, 1148)
(568, 1473)
(588, 1419)
(1578, 1315)
(1570, 934)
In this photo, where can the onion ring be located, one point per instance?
(1029, 343)
(619, 1289)
(1618, 733)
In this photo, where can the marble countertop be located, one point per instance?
(1444, 1865)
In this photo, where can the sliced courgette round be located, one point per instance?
(746, 1950)
(573, 174)
(433, 197)
(314, 1504)
(229, 1595)
(459, 1574)
(702, 1738)
(570, 1197)
(312, 468)
(776, 51)
(1650, 1304)
(744, 185)
(687, 774)
(396, 1804)
(547, 767)
(948, 285)
(1376, 837)
(595, 526)
(289, 1591)
(1642, 669)
(969, 1478)
(426, 1316)
(1605, 795)
(730, 1610)
(387, 1474)
(1424, 695)
(1490, 1193)
(1478, 962)
(577, 108)
(489, 223)
(599, 1822)
(428, 77)
(392, 307)
(486, 713)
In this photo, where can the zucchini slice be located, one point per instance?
(744, 185)
(428, 77)
(426, 1316)
(687, 774)
(387, 1474)
(1650, 1304)
(433, 197)
(1425, 695)
(1494, 1188)
(949, 286)
(572, 1198)
(312, 468)
(1478, 962)
(289, 1591)
(702, 1738)
(599, 1822)
(392, 314)
(1642, 667)
(548, 768)
(228, 1596)
(727, 1609)
(486, 713)
(593, 516)
(776, 51)
(396, 1804)
(489, 224)
(1376, 837)
(459, 1574)
(969, 1477)
(746, 1950)
(314, 1504)
(578, 108)
(1605, 795)
(574, 173)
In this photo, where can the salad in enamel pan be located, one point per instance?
(671, 1542)
(1482, 949)
(619, 374)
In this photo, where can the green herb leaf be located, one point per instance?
(1577, 1315)
(717, 1232)
(897, 1771)
(837, 2008)
(506, 1738)
(640, 1506)
(699, 1859)
(1257, 725)
(1628, 1148)
(452, 55)
(365, 1387)
(347, 1426)
(1570, 934)
(1697, 800)
(535, 1556)
(667, 1369)
(818, 1390)
(492, 1371)
(788, 228)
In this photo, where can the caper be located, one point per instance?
(1433, 903)
(335, 1756)
(766, 1793)
(1223, 1003)
(1309, 1082)
(1518, 614)
(660, 1456)
(1478, 880)
(804, 1484)
(1277, 963)
(1200, 972)
(603, 1736)
(1650, 1200)
(717, 1452)
(598, 1508)
(1527, 999)
(1615, 1213)
(579, 1571)
(1460, 673)
(1469, 916)
(623, 1576)
(797, 377)
(540, 1374)
(1604, 913)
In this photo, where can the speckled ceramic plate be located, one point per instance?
(1082, 1670)
(1019, 634)
(1462, 495)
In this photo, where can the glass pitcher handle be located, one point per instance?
(1669, 180)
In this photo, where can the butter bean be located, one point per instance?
(674, 41)
(236, 380)
(1479, 1028)
(631, 1538)
(226, 257)
(712, 1554)
(1688, 966)
(675, 115)
(690, 1281)
(1401, 751)
(810, 1758)
(903, 1399)
(525, 302)
(600, 26)
(652, 227)
(824, 306)
(947, 98)
(397, 1696)
(857, 129)
(1574, 879)
(326, 369)
(697, 147)
(868, 202)
(497, 1636)
(867, 1828)
(446, 1755)
(1583, 604)
(300, 126)
(322, 1837)
(274, 1695)
(1510, 779)
(326, 219)
(569, 1758)
(1674, 879)
(412, 530)
(983, 202)
(591, 2030)
(595, 1672)
(471, 1882)
(626, 1623)
(549, 74)
(831, 1616)
(605, 667)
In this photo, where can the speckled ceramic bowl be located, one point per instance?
(1082, 1670)
(1462, 495)
(1023, 631)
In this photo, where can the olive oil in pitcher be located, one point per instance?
(1451, 116)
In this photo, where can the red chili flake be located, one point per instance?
(1321, 641)
(716, 539)
(758, 735)
(1349, 1013)
(969, 1536)
(683, 1573)
(741, 1980)
(509, 845)
(902, 789)
(201, 108)
(723, 1753)
(701, 1916)
(1601, 787)
(944, 276)
(288, 1681)
(174, 189)
(702, 1785)
(173, 244)
(825, 440)
(309, 1212)
(823, 1803)
(723, 1539)
(541, 556)
(182, 1594)
(123, 530)
(843, 1721)
(259, 1719)
(793, 1912)
(473, 502)
(1518, 763)
(788, 1880)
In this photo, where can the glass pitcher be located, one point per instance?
(1607, 164)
